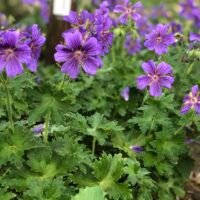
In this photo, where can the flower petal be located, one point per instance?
(166, 81)
(62, 54)
(119, 9)
(73, 40)
(149, 67)
(197, 108)
(71, 68)
(91, 65)
(185, 108)
(123, 18)
(195, 90)
(92, 47)
(13, 67)
(164, 68)
(143, 81)
(155, 89)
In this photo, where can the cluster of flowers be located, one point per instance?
(43, 5)
(86, 42)
(190, 11)
(18, 48)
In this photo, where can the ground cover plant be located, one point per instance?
(112, 117)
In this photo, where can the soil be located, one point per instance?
(193, 183)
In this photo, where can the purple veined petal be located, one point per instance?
(23, 52)
(169, 39)
(92, 47)
(71, 67)
(2, 63)
(197, 107)
(119, 9)
(32, 65)
(166, 81)
(135, 16)
(155, 89)
(164, 68)
(185, 108)
(62, 54)
(11, 38)
(73, 40)
(149, 67)
(137, 5)
(195, 90)
(91, 65)
(13, 67)
(186, 98)
(161, 48)
(162, 29)
(143, 81)
(72, 18)
(149, 44)
(194, 37)
(123, 18)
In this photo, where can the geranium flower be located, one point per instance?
(156, 77)
(159, 39)
(191, 101)
(13, 53)
(128, 10)
(132, 45)
(78, 53)
(125, 93)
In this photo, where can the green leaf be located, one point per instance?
(90, 193)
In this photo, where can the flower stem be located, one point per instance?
(190, 68)
(8, 103)
(62, 83)
(46, 129)
(93, 145)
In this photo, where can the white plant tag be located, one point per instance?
(61, 7)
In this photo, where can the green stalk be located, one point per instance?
(46, 130)
(93, 145)
(8, 102)
(190, 68)
(62, 83)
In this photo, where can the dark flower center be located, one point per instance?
(9, 53)
(159, 39)
(79, 55)
(194, 100)
(155, 78)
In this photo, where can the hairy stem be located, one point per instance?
(46, 129)
(93, 145)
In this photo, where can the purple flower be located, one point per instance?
(128, 10)
(13, 53)
(3, 20)
(187, 9)
(38, 129)
(144, 26)
(44, 7)
(159, 11)
(176, 28)
(125, 93)
(194, 37)
(156, 77)
(102, 33)
(132, 45)
(159, 39)
(80, 21)
(35, 41)
(78, 53)
(191, 101)
(136, 148)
